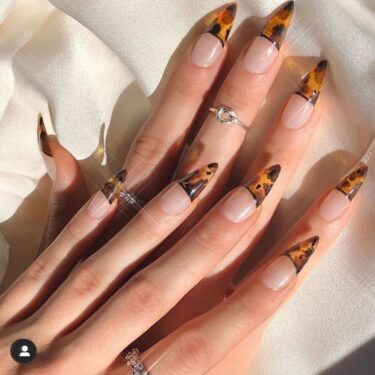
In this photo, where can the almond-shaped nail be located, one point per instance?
(115, 186)
(283, 271)
(300, 106)
(260, 185)
(194, 183)
(45, 148)
(264, 49)
(208, 47)
(339, 198)
(243, 201)
(312, 83)
(101, 202)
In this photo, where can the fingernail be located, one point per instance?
(239, 205)
(339, 199)
(98, 206)
(312, 83)
(283, 271)
(261, 185)
(115, 186)
(297, 112)
(264, 50)
(175, 200)
(208, 47)
(45, 148)
(194, 183)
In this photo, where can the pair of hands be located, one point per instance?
(164, 280)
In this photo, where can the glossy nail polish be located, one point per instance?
(278, 23)
(264, 50)
(339, 198)
(209, 45)
(175, 200)
(312, 83)
(243, 201)
(194, 183)
(45, 148)
(222, 25)
(300, 106)
(113, 188)
(283, 271)
(261, 185)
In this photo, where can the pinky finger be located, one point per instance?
(201, 344)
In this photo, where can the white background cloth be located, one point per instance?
(87, 63)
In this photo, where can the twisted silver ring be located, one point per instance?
(228, 116)
(132, 359)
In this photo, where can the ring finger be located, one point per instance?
(200, 344)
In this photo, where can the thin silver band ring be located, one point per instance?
(133, 360)
(228, 116)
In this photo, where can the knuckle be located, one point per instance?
(192, 351)
(249, 315)
(148, 149)
(187, 91)
(211, 243)
(146, 232)
(84, 282)
(75, 232)
(144, 297)
(37, 271)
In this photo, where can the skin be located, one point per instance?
(68, 314)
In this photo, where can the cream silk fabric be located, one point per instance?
(87, 63)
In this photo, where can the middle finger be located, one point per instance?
(244, 91)
(157, 288)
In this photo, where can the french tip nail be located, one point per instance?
(115, 185)
(300, 253)
(278, 23)
(261, 185)
(312, 82)
(194, 183)
(222, 24)
(351, 183)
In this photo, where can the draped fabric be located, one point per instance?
(90, 67)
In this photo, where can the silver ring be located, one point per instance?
(132, 359)
(228, 116)
(132, 199)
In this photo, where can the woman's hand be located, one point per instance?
(81, 320)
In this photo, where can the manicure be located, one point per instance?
(336, 202)
(46, 150)
(300, 106)
(283, 271)
(243, 201)
(265, 48)
(103, 199)
(194, 183)
(209, 46)
(115, 186)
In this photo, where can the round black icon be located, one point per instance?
(23, 351)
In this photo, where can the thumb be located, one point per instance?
(68, 191)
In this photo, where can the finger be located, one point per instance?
(203, 342)
(156, 149)
(157, 288)
(103, 272)
(48, 271)
(244, 90)
(285, 144)
(68, 192)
